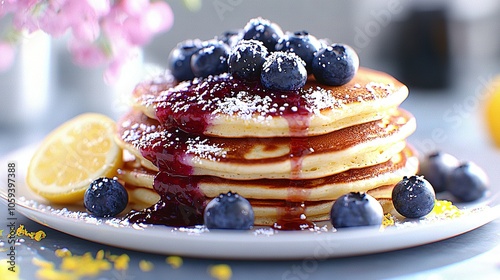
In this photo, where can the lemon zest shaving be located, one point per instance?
(78, 266)
(37, 236)
(121, 262)
(220, 271)
(86, 265)
(146, 266)
(445, 209)
(388, 220)
(174, 261)
(62, 253)
(99, 255)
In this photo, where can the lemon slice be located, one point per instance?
(493, 110)
(72, 156)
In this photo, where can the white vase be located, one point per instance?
(25, 88)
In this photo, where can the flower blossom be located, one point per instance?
(101, 32)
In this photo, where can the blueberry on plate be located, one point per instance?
(436, 168)
(467, 182)
(105, 197)
(356, 209)
(179, 59)
(229, 211)
(283, 71)
(335, 65)
(301, 43)
(413, 197)
(263, 30)
(211, 59)
(246, 59)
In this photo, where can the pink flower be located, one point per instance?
(140, 22)
(159, 17)
(7, 6)
(87, 54)
(8, 55)
(134, 7)
(113, 72)
(102, 31)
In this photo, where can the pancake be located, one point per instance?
(140, 198)
(266, 211)
(147, 91)
(255, 158)
(269, 197)
(226, 107)
(130, 128)
(326, 188)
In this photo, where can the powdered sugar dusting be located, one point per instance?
(78, 215)
(146, 92)
(224, 95)
(321, 99)
(245, 105)
(203, 149)
(374, 87)
(134, 131)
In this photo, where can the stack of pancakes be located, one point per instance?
(291, 158)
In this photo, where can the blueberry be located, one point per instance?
(246, 59)
(301, 43)
(211, 59)
(283, 71)
(356, 209)
(179, 59)
(263, 30)
(105, 197)
(335, 65)
(467, 182)
(229, 211)
(413, 197)
(436, 168)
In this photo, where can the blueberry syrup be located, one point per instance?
(166, 149)
(181, 204)
(181, 201)
(292, 216)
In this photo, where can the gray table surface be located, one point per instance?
(475, 254)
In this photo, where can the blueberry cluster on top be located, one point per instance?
(262, 51)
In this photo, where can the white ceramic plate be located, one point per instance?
(262, 243)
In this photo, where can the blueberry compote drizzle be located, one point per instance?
(191, 107)
(293, 216)
(181, 202)
(166, 150)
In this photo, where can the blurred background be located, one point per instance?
(447, 52)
